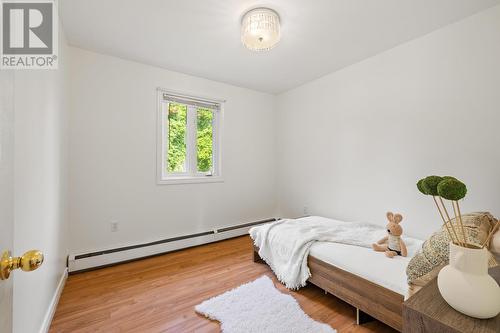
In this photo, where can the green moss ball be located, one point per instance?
(430, 184)
(420, 186)
(452, 189)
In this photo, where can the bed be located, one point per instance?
(375, 285)
(390, 274)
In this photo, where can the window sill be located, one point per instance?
(190, 180)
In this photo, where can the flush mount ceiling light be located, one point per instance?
(260, 29)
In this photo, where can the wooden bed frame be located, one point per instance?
(369, 299)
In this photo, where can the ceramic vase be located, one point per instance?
(466, 285)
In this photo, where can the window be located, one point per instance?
(189, 139)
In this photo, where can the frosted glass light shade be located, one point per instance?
(260, 29)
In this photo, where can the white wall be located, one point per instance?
(113, 156)
(353, 144)
(6, 189)
(41, 174)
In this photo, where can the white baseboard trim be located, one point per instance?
(77, 262)
(47, 320)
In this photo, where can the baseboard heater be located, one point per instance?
(97, 259)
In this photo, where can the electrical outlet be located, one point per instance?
(306, 210)
(114, 226)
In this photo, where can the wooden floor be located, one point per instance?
(158, 294)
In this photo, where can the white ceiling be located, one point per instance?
(202, 37)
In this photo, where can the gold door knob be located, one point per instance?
(28, 262)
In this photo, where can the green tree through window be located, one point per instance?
(177, 118)
(204, 139)
(177, 138)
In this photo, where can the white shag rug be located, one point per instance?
(258, 307)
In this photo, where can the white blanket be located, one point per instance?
(284, 245)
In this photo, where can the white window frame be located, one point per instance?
(191, 175)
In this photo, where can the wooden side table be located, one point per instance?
(428, 312)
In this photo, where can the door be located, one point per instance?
(6, 189)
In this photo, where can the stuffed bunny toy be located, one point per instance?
(392, 244)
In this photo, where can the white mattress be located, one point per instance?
(366, 263)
